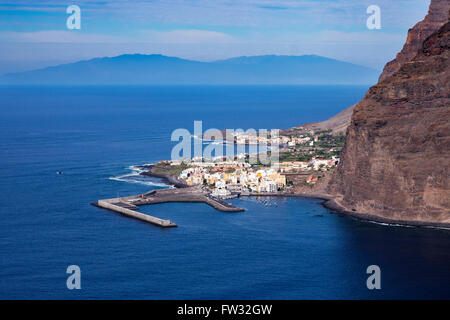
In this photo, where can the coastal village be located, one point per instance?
(303, 165)
(305, 157)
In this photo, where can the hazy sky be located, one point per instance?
(34, 34)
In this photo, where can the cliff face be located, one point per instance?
(395, 162)
(436, 17)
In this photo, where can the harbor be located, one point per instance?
(128, 206)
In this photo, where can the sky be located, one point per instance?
(33, 34)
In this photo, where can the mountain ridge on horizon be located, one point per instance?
(152, 69)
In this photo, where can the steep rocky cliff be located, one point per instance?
(396, 158)
(435, 19)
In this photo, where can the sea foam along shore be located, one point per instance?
(173, 181)
(136, 177)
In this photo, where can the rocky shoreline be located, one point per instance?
(332, 204)
(169, 179)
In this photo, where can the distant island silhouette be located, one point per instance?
(156, 69)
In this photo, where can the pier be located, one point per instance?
(118, 206)
(128, 205)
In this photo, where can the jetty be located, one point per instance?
(128, 205)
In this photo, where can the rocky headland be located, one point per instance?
(395, 161)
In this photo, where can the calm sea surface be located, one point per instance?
(277, 249)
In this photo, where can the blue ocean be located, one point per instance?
(279, 248)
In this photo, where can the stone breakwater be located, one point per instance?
(127, 208)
